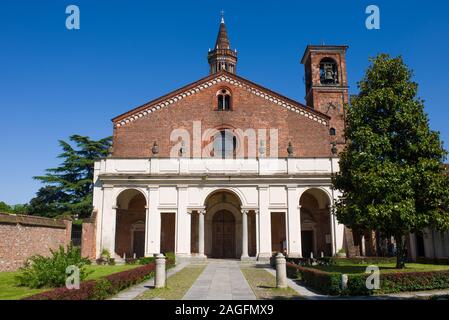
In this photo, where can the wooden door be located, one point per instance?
(139, 243)
(307, 243)
(223, 238)
(168, 230)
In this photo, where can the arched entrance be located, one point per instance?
(223, 235)
(316, 235)
(130, 224)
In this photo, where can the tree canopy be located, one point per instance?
(391, 170)
(68, 188)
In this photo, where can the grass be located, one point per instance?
(263, 285)
(10, 291)
(177, 285)
(349, 268)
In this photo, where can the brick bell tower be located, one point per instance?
(327, 86)
(222, 57)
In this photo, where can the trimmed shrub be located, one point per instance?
(40, 271)
(399, 282)
(146, 260)
(99, 289)
(362, 260)
(414, 281)
(326, 282)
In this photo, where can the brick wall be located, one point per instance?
(309, 138)
(24, 236)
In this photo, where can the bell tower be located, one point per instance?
(222, 57)
(327, 85)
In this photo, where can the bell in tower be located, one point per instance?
(222, 57)
(328, 72)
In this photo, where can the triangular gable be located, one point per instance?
(221, 77)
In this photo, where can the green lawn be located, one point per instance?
(263, 285)
(10, 291)
(177, 285)
(349, 268)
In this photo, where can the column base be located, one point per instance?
(247, 258)
(264, 256)
(294, 255)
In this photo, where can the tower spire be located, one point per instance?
(222, 57)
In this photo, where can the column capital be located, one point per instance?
(263, 186)
(182, 186)
(245, 211)
(153, 187)
(256, 211)
(114, 207)
(202, 211)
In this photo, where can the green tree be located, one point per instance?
(17, 209)
(391, 170)
(5, 208)
(68, 188)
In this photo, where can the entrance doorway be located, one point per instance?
(139, 243)
(223, 236)
(307, 243)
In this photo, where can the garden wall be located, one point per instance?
(22, 236)
(88, 248)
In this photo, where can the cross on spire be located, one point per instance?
(222, 15)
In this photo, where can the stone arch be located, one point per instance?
(316, 233)
(217, 202)
(235, 191)
(130, 225)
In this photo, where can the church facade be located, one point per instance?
(225, 168)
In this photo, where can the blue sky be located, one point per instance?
(55, 82)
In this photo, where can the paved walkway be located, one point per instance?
(221, 280)
(137, 290)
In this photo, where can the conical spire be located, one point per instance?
(222, 37)
(222, 57)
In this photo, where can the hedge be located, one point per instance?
(102, 288)
(326, 282)
(330, 282)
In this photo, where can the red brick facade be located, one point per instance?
(309, 137)
(24, 236)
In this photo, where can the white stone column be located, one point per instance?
(108, 220)
(332, 224)
(113, 230)
(244, 234)
(201, 214)
(183, 224)
(264, 224)
(153, 222)
(293, 222)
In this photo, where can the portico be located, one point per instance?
(221, 208)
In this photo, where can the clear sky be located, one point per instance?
(55, 82)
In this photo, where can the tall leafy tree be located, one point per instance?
(68, 188)
(391, 170)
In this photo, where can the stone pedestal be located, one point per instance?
(281, 271)
(159, 277)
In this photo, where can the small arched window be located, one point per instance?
(332, 131)
(328, 71)
(224, 100)
(225, 145)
